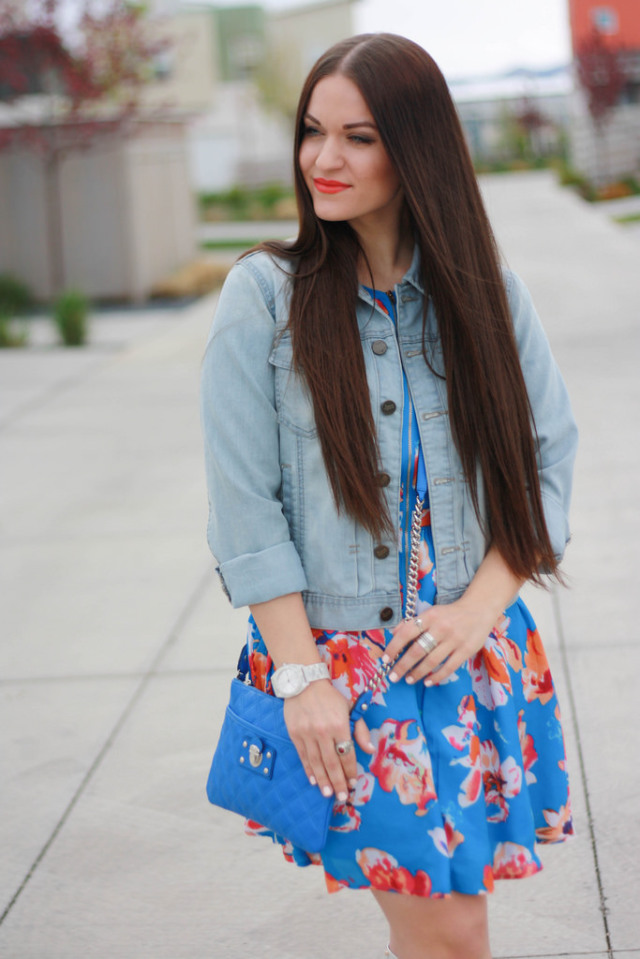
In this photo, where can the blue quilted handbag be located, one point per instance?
(256, 771)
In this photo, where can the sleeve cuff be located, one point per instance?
(259, 577)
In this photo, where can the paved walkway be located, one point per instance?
(117, 646)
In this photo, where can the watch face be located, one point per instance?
(289, 681)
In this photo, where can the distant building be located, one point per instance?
(522, 114)
(615, 151)
(260, 59)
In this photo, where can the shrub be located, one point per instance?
(10, 337)
(70, 312)
(14, 300)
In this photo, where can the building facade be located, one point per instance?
(610, 149)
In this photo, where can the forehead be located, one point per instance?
(338, 99)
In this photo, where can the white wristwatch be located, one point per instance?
(290, 678)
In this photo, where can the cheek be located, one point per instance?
(306, 156)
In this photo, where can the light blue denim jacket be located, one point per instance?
(273, 524)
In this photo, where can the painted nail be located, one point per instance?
(428, 682)
(327, 791)
(385, 659)
(353, 783)
(343, 797)
(313, 780)
(393, 677)
(410, 680)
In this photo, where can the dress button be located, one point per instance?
(386, 614)
(381, 552)
(379, 347)
(388, 407)
(383, 479)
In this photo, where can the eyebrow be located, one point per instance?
(346, 126)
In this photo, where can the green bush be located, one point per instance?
(14, 300)
(15, 297)
(70, 313)
(10, 337)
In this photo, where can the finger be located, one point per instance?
(402, 637)
(413, 660)
(334, 769)
(362, 736)
(319, 772)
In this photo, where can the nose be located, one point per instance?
(330, 156)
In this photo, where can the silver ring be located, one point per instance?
(418, 623)
(427, 642)
(344, 747)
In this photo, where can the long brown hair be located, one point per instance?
(490, 414)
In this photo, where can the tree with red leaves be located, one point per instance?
(601, 75)
(62, 90)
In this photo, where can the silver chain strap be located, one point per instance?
(382, 669)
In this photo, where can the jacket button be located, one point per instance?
(381, 552)
(386, 614)
(379, 347)
(383, 479)
(388, 407)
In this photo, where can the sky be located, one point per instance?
(469, 37)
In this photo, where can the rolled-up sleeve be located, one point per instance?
(247, 531)
(557, 433)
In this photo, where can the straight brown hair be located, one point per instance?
(491, 418)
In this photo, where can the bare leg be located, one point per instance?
(453, 928)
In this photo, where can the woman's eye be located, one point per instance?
(310, 132)
(358, 138)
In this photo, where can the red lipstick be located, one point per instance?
(329, 186)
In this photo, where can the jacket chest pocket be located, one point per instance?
(293, 399)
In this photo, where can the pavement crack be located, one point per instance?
(604, 910)
(174, 632)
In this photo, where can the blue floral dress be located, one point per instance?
(466, 776)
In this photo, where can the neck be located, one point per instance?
(387, 255)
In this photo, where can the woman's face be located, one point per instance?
(344, 164)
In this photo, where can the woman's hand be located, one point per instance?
(459, 630)
(318, 719)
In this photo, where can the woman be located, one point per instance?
(382, 360)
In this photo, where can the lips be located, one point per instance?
(329, 186)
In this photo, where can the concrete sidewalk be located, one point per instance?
(118, 646)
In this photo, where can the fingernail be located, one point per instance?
(353, 783)
(370, 745)
(410, 680)
(385, 659)
(343, 797)
(428, 682)
(327, 791)
(393, 677)
(313, 780)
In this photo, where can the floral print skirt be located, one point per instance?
(466, 777)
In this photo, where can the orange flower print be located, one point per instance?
(333, 884)
(513, 861)
(347, 813)
(536, 677)
(487, 879)
(259, 665)
(501, 781)
(490, 667)
(402, 762)
(559, 825)
(464, 738)
(384, 873)
(527, 747)
(352, 662)
(446, 839)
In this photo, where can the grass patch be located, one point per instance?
(627, 218)
(232, 245)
